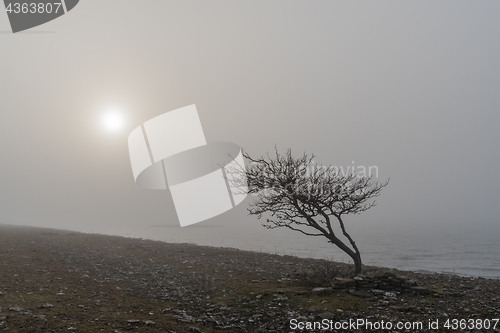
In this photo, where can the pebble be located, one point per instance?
(16, 309)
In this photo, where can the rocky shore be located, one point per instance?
(55, 281)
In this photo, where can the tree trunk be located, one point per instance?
(356, 257)
(358, 266)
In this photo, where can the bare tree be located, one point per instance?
(302, 196)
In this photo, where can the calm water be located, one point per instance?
(472, 253)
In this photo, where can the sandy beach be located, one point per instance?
(55, 280)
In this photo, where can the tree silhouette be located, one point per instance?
(298, 195)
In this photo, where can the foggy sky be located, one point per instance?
(411, 87)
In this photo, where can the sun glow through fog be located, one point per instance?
(112, 121)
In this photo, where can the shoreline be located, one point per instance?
(57, 279)
(421, 271)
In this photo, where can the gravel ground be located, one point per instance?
(54, 280)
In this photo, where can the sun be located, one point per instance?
(112, 121)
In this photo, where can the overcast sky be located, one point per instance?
(411, 87)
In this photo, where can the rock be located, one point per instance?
(261, 330)
(411, 282)
(326, 315)
(304, 273)
(280, 298)
(378, 292)
(16, 309)
(322, 291)
(455, 294)
(299, 273)
(420, 290)
(343, 283)
(402, 308)
(314, 308)
(186, 319)
(385, 277)
(363, 294)
(395, 281)
(194, 329)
